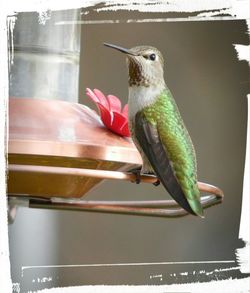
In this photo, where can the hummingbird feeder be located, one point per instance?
(58, 151)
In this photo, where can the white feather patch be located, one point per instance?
(141, 97)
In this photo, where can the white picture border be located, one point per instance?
(237, 9)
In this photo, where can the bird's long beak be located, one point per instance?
(121, 49)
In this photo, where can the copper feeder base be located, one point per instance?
(58, 151)
(51, 133)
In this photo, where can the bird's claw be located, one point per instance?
(156, 183)
(137, 173)
(137, 176)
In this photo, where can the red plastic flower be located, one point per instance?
(113, 116)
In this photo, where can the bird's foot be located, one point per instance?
(137, 173)
(156, 183)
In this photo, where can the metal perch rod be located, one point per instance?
(163, 208)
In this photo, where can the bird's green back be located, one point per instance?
(165, 116)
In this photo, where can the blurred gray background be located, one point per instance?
(210, 86)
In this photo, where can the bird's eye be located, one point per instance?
(152, 57)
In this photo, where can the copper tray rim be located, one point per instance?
(76, 150)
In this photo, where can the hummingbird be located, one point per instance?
(157, 128)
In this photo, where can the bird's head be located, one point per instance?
(145, 65)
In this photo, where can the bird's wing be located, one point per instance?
(150, 142)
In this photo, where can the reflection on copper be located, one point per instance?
(62, 134)
(57, 128)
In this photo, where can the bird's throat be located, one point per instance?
(141, 97)
(136, 76)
